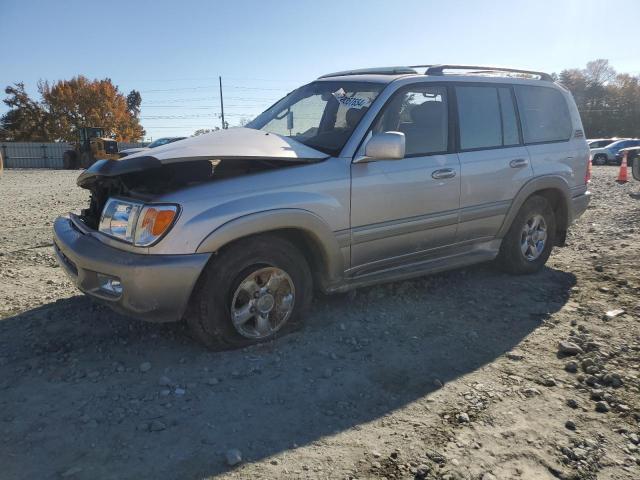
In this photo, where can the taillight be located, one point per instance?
(587, 175)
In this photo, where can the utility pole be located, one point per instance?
(221, 104)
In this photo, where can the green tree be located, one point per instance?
(134, 100)
(26, 120)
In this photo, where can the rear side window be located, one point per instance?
(487, 117)
(479, 117)
(544, 114)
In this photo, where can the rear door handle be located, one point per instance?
(443, 173)
(519, 163)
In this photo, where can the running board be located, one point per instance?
(417, 269)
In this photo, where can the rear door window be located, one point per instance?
(544, 114)
(487, 117)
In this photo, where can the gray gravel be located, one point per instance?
(456, 375)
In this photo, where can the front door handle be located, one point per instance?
(519, 163)
(443, 173)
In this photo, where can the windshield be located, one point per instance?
(322, 115)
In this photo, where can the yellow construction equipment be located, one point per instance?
(91, 146)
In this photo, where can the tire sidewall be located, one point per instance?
(229, 269)
(511, 254)
(600, 159)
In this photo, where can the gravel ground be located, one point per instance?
(468, 374)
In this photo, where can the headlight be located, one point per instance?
(135, 222)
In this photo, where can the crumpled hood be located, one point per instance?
(235, 143)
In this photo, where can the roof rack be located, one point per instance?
(436, 70)
(439, 70)
(373, 71)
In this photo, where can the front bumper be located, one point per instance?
(154, 287)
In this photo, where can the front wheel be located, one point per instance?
(69, 160)
(251, 292)
(528, 243)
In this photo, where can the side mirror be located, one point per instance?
(384, 146)
(635, 167)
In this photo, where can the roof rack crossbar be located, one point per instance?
(373, 71)
(439, 70)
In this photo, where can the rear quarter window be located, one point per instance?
(544, 114)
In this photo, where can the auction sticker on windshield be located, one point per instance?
(351, 102)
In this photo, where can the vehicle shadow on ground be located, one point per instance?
(74, 395)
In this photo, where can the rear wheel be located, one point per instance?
(69, 160)
(528, 243)
(600, 159)
(255, 290)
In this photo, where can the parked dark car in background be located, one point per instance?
(633, 153)
(156, 143)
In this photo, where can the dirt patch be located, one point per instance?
(457, 375)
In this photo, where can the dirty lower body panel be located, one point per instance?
(149, 287)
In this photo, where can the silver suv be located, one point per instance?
(357, 178)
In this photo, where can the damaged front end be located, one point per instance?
(214, 156)
(143, 178)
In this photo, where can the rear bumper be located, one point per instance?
(579, 205)
(154, 287)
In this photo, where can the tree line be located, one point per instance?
(609, 104)
(68, 105)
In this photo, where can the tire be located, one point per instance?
(69, 160)
(86, 160)
(512, 258)
(223, 287)
(600, 159)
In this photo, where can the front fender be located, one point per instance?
(323, 238)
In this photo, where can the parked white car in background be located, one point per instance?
(601, 142)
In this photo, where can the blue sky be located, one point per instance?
(174, 51)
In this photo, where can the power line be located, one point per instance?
(203, 115)
(192, 107)
(174, 100)
(205, 87)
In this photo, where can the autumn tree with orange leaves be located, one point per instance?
(68, 105)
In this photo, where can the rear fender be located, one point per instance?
(548, 182)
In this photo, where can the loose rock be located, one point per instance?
(233, 457)
(569, 348)
(463, 417)
(571, 366)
